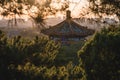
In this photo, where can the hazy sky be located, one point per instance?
(76, 6)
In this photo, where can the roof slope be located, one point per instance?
(68, 28)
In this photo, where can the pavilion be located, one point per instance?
(68, 30)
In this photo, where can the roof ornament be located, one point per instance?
(68, 29)
(68, 14)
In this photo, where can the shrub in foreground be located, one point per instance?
(101, 55)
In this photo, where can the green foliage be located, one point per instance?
(101, 55)
(18, 51)
(68, 53)
(25, 59)
(32, 72)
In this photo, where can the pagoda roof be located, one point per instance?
(68, 28)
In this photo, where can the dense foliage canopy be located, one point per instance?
(101, 55)
(26, 59)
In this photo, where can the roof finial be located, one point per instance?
(68, 14)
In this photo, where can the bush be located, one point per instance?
(101, 55)
(25, 59)
(68, 53)
(19, 51)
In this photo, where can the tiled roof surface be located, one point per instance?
(68, 28)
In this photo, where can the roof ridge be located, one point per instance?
(70, 28)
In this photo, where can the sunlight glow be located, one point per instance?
(75, 6)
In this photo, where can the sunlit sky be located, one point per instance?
(75, 6)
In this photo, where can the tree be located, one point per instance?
(14, 9)
(101, 55)
(26, 59)
(105, 6)
(11, 10)
(20, 51)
